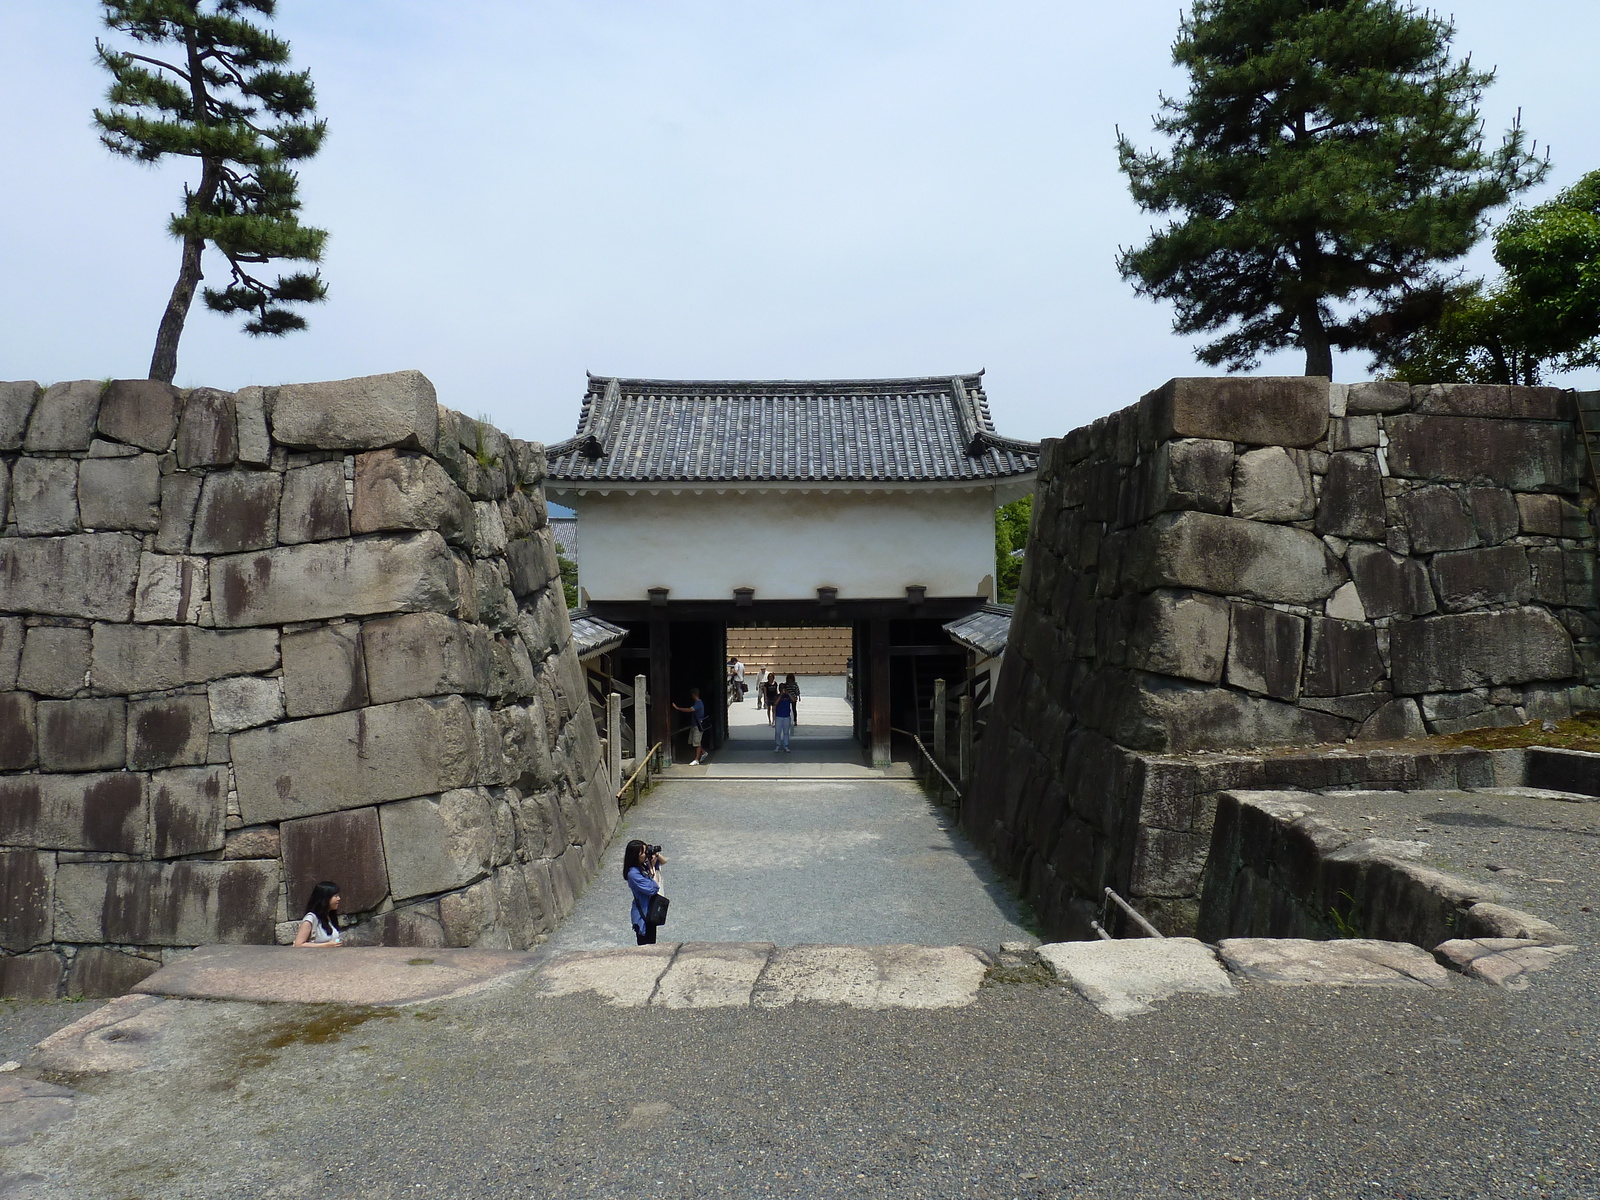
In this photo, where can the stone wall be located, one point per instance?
(1245, 562)
(251, 641)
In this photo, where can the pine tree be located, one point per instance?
(1327, 158)
(229, 103)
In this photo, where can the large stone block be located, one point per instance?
(1186, 473)
(89, 575)
(1526, 456)
(35, 976)
(172, 589)
(64, 416)
(100, 971)
(1382, 397)
(324, 670)
(1342, 658)
(397, 409)
(133, 658)
(438, 844)
(54, 661)
(168, 732)
(1260, 410)
(344, 847)
(1467, 650)
(313, 507)
(82, 735)
(1465, 579)
(17, 399)
(180, 495)
(1273, 484)
(1494, 512)
(250, 414)
(44, 496)
(26, 878)
(208, 434)
(12, 634)
(1551, 516)
(244, 702)
(1352, 505)
(120, 493)
(1437, 519)
(1398, 720)
(425, 654)
(395, 490)
(104, 813)
(1230, 557)
(1388, 584)
(319, 580)
(1496, 400)
(140, 412)
(1266, 649)
(167, 904)
(352, 759)
(238, 511)
(188, 806)
(1180, 633)
(19, 731)
(472, 917)
(1151, 712)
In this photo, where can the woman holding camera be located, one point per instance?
(642, 870)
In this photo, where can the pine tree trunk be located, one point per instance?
(1314, 341)
(164, 362)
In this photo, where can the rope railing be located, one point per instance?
(932, 762)
(1134, 915)
(633, 780)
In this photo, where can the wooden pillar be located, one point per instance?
(939, 722)
(614, 738)
(641, 721)
(882, 754)
(661, 681)
(965, 735)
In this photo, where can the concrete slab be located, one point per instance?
(712, 975)
(1348, 962)
(1503, 962)
(626, 976)
(1125, 978)
(370, 975)
(873, 977)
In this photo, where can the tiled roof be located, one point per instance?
(984, 631)
(909, 430)
(591, 635)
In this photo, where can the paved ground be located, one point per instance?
(1449, 1093)
(863, 861)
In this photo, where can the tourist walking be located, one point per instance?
(320, 926)
(761, 688)
(793, 688)
(641, 867)
(783, 721)
(697, 725)
(769, 690)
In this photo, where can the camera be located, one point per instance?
(652, 851)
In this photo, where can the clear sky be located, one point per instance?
(520, 190)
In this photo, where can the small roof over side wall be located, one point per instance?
(934, 429)
(985, 631)
(592, 636)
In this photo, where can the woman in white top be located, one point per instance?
(320, 926)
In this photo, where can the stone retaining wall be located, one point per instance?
(250, 641)
(1244, 562)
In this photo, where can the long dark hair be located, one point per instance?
(631, 856)
(317, 906)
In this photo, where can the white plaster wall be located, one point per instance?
(785, 545)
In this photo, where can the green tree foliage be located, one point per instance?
(1327, 157)
(228, 103)
(569, 580)
(1541, 317)
(1011, 523)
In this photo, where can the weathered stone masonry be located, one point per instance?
(1241, 563)
(250, 641)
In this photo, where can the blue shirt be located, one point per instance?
(642, 887)
(699, 707)
(785, 708)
